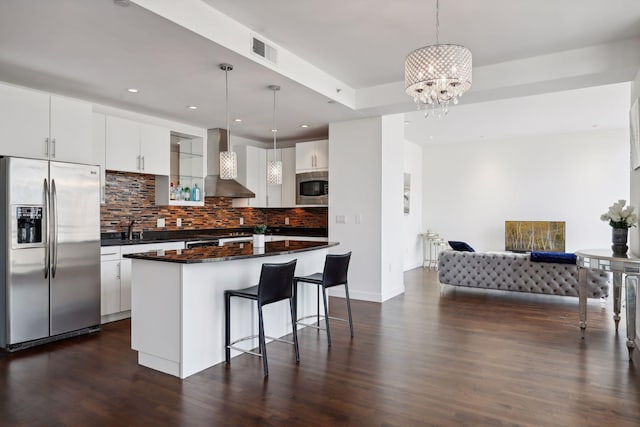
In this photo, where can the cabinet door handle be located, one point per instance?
(138, 162)
(119, 272)
(53, 148)
(143, 163)
(46, 147)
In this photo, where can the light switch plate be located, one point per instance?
(286, 220)
(179, 222)
(160, 223)
(341, 219)
(241, 221)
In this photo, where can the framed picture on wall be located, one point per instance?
(634, 128)
(407, 193)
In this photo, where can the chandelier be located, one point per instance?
(274, 168)
(438, 74)
(228, 159)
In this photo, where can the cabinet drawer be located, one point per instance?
(109, 253)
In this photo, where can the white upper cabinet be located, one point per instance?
(283, 196)
(123, 144)
(137, 147)
(252, 173)
(41, 126)
(312, 156)
(71, 130)
(99, 139)
(288, 187)
(155, 147)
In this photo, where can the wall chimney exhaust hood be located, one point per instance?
(213, 184)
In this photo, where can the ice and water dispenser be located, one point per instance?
(29, 222)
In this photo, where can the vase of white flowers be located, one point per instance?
(620, 219)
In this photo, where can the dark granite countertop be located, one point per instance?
(114, 238)
(230, 251)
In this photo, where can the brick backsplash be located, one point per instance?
(133, 195)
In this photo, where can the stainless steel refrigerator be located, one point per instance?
(49, 251)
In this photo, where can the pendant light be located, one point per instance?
(228, 159)
(274, 168)
(438, 74)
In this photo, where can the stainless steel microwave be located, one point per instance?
(312, 188)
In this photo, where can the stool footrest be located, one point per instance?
(316, 316)
(251, 337)
(233, 347)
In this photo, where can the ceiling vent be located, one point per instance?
(264, 50)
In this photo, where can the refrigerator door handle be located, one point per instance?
(46, 230)
(53, 148)
(46, 146)
(54, 225)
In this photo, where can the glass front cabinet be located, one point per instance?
(185, 184)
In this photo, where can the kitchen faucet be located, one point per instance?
(132, 221)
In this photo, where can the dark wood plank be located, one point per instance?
(434, 356)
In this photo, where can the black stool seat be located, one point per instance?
(312, 278)
(250, 293)
(276, 284)
(334, 274)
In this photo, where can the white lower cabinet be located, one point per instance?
(115, 277)
(109, 280)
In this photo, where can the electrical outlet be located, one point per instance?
(160, 223)
(241, 221)
(358, 218)
(286, 220)
(179, 222)
(341, 219)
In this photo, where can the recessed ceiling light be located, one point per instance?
(132, 90)
(304, 125)
(430, 136)
(192, 107)
(237, 120)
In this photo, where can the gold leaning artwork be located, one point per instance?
(526, 236)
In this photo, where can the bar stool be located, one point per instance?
(275, 285)
(335, 274)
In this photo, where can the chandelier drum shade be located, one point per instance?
(274, 168)
(228, 159)
(438, 74)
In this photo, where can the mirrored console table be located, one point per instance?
(627, 267)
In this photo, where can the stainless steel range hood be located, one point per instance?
(214, 185)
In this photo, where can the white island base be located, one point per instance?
(177, 309)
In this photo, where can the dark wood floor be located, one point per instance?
(430, 357)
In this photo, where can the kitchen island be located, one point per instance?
(177, 300)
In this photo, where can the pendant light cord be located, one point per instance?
(226, 83)
(437, 21)
(274, 130)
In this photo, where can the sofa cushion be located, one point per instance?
(460, 246)
(553, 257)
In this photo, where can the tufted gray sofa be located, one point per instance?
(515, 272)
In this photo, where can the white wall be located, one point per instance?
(470, 189)
(355, 162)
(412, 223)
(362, 187)
(392, 206)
